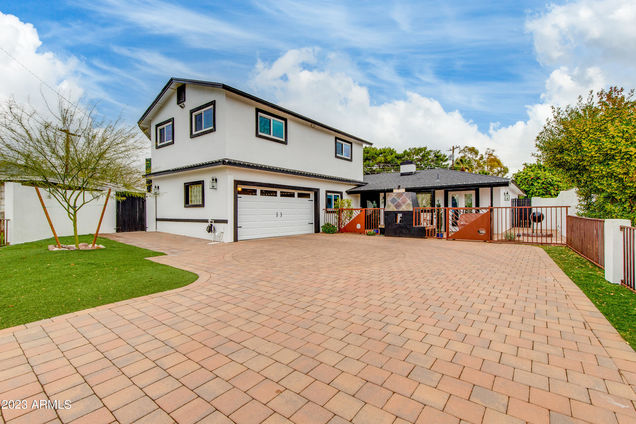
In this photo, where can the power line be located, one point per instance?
(46, 84)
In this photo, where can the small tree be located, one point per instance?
(537, 180)
(69, 152)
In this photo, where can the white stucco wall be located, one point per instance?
(309, 148)
(565, 198)
(186, 150)
(28, 222)
(219, 202)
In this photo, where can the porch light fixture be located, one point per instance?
(214, 183)
(506, 196)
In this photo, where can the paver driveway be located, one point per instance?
(320, 328)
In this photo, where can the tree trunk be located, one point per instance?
(75, 231)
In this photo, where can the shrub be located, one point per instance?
(371, 233)
(329, 228)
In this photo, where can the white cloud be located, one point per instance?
(335, 98)
(587, 44)
(22, 42)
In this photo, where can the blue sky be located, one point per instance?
(485, 64)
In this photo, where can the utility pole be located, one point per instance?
(452, 150)
(67, 146)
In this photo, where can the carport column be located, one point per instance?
(614, 249)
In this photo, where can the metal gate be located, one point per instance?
(468, 223)
(131, 214)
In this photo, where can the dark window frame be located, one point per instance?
(197, 109)
(159, 125)
(328, 192)
(186, 194)
(340, 140)
(269, 137)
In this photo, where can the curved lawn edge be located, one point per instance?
(38, 284)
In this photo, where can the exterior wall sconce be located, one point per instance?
(506, 196)
(213, 183)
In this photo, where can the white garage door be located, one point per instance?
(272, 212)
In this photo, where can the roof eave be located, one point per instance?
(363, 189)
(236, 91)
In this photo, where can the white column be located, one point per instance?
(614, 249)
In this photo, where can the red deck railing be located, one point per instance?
(629, 257)
(4, 232)
(434, 219)
(586, 236)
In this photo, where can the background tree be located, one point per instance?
(387, 159)
(537, 180)
(425, 158)
(593, 144)
(488, 163)
(69, 152)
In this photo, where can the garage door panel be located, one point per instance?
(271, 216)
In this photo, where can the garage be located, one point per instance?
(274, 211)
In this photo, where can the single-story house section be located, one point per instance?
(438, 187)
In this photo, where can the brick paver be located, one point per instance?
(334, 329)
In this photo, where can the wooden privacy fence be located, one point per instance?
(586, 236)
(629, 257)
(4, 232)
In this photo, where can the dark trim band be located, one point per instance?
(201, 220)
(361, 189)
(250, 165)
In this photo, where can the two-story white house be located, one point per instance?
(255, 168)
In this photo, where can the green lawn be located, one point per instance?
(37, 284)
(616, 302)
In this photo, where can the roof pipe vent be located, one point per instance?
(407, 168)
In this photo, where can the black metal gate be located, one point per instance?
(521, 215)
(131, 214)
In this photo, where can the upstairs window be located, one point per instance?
(343, 149)
(271, 127)
(164, 133)
(193, 194)
(202, 119)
